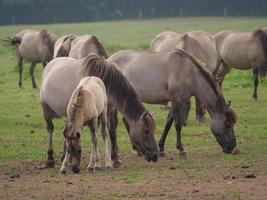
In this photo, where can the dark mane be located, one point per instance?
(62, 52)
(262, 36)
(47, 39)
(118, 87)
(99, 47)
(207, 76)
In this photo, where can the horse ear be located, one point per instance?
(126, 124)
(228, 105)
(148, 119)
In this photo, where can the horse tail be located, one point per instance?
(118, 87)
(262, 36)
(66, 46)
(12, 41)
(101, 51)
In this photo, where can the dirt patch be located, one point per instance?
(170, 178)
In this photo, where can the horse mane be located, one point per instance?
(100, 49)
(47, 39)
(75, 104)
(62, 50)
(118, 87)
(262, 36)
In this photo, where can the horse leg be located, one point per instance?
(64, 151)
(105, 136)
(20, 63)
(200, 112)
(65, 163)
(44, 63)
(178, 126)
(113, 122)
(95, 162)
(224, 69)
(48, 115)
(256, 82)
(32, 67)
(167, 127)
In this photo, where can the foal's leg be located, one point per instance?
(95, 161)
(64, 151)
(178, 126)
(20, 63)
(256, 83)
(105, 136)
(167, 127)
(65, 163)
(200, 112)
(113, 122)
(32, 67)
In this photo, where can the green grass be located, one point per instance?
(23, 135)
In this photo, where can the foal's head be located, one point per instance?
(73, 144)
(222, 127)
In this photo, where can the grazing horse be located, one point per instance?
(198, 43)
(35, 47)
(83, 45)
(242, 50)
(60, 78)
(63, 45)
(176, 76)
(87, 106)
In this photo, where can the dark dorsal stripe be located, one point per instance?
(118, 87)
(99, 46)
(207, 76)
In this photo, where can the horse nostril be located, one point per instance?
(76, 169)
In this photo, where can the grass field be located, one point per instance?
(206, 173)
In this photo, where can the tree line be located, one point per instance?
(60, 11)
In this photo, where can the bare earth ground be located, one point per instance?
(171, 178)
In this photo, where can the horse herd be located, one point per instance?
(82, 83)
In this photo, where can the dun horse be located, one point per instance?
(34, 47)
(87, 106)
(198, 43)
(61, 77)
(242, 50)
(176, 76)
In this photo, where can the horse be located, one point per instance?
(83, 45)
(198, 43)
(165, 41)
(243, 51)
(63, 45)
(175, 76)
(87, 106)
(33, 46)
(60, 78)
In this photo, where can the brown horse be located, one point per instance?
(176, 76)
(83, 45)
(63, 45)
(61, 77)
(34, 47)
(198, 43)
(87, 106)
(242, 50)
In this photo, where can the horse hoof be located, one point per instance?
(49, 163)
(161, 154)
(109, 168)
(182, 154)
(117, 163)
(90, 169)
(63, 172)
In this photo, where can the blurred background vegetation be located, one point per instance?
(66, 11)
